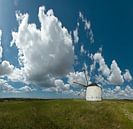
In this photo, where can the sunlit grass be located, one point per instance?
(66, 114)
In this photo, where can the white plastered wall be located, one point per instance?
(93, 93)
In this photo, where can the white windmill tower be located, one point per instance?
(93, 90)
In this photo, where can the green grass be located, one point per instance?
(66, 114)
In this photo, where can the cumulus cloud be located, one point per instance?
(44, 53)
(77, 77)
(117, 89)
(59, 87)
(75, 34)
(115, 77)
(87, 23)
(87, 26)
(26, 89)
(127, 76)
(118, 92)
(103, 68)
(6, 68)
(5, 87)
(1, 50)
(82, 49)
(101, 80)
(106, 75)
(129, 91)
(17, 75)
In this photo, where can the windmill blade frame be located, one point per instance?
(80, 84)
(84, 70)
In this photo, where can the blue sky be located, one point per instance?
(43, 61)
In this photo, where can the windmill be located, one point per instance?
(93, 90)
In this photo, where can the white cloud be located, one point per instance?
(97, 57)
(1, 50)
(87, 23)
(82, 93)
(5, 87)
(115, 77)
(118, 93)
(101, 80)
(6, 68)
(117, 89)
(60, 86)
(127, 76)
(92, 67)
(87, 26)
(129, 91)
(17, 75)
(26, 89)
(82, 49)
(75, 34)
(108, 75)
(77, 77)
(44, 53)
(81, 15)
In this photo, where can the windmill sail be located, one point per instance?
(80, 84)
(86, 73)
(86, 77)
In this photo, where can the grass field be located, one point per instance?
(66, 114)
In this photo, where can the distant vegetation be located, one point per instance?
(66, 114)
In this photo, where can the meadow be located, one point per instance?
(66, 114)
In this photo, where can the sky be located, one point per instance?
(44, 45)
